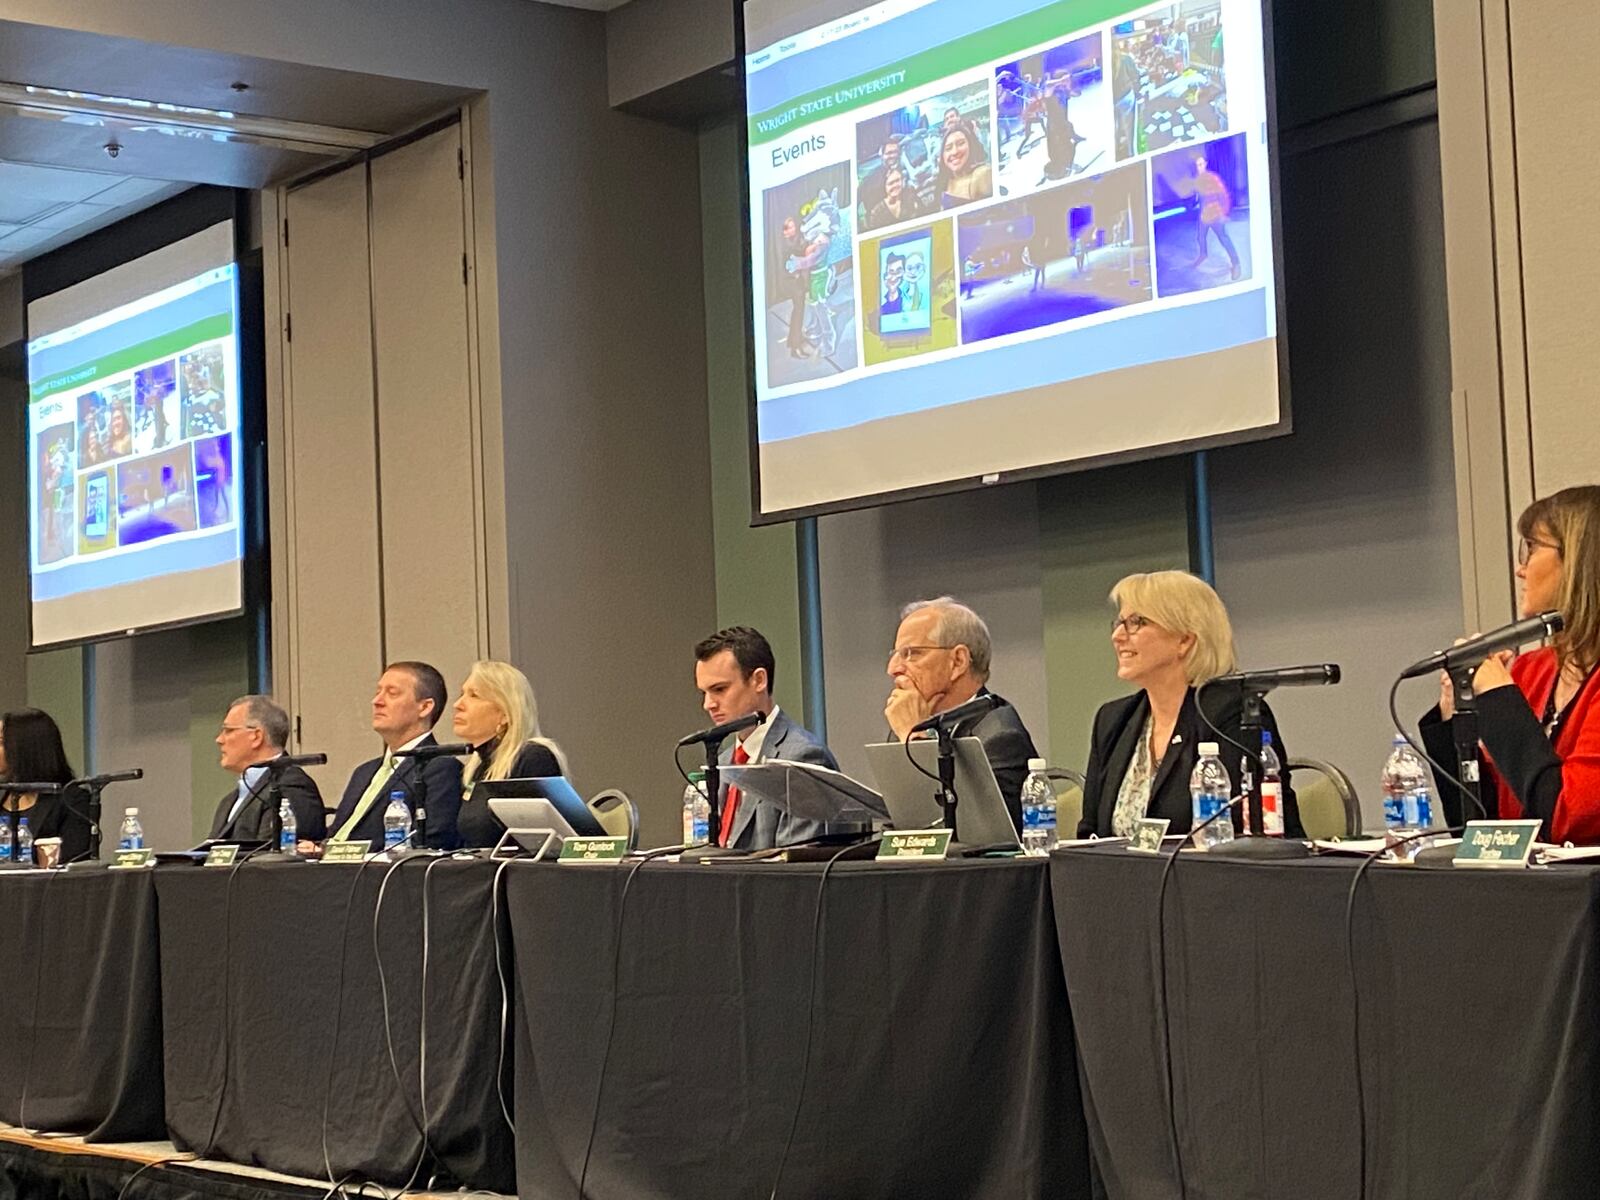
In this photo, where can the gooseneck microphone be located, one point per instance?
(975, 707)
(717, 732)
(1312, 675)
(108, 778)
(293, 760)
(441, 750)
(1475, 650)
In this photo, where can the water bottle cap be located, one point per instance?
(1208, 748)
(1400, 740)
(697, 776)
(1038, 764)
(132, 812)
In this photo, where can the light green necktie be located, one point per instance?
(368, 797)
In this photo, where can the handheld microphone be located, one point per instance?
(1312, 675)
(100, 781)
(442, 750)
(717, 732)
(1474, 650)
(293, 760)
(975, 707)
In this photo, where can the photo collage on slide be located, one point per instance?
(144, 456)
(1077, 178)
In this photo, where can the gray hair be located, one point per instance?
(957, 625)
(265, 714)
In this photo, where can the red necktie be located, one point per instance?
(731, 802)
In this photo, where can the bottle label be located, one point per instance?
(1272, 807)
(1419, 809)
(1394, 809)
(701, 830)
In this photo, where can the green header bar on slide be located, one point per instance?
(204, 330)
(998, 41)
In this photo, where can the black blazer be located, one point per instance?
(475, 824)
(1008, 747)
(254, 822)
(1117, 729)
(441, 778)
(66, 816)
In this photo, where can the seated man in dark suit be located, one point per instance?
(411, 697)
(941, 660)
(734, 670)
(253, 734)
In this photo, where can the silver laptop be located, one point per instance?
(912, 798)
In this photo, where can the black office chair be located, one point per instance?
(1328, 804)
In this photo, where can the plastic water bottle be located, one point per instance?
(132, 835)
(1038, 810)
(288, 840)
(24, 843)
(1407, 798)
(1210, 790)
(396, 821)
(5, 841)
(696, 811)
(1271, 788)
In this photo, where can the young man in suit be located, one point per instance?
(734, 671)
(939, 662)
(408, 702)
(254, 733)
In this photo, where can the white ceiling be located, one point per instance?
(44, 207)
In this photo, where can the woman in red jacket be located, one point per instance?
(1539, 713)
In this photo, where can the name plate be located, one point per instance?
(130, 860)
(1496, 844)
(345, 852)
(906, 845)
(221, 856)
(593, 849)
(1147, 835)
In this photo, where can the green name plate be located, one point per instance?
(1147, 835)
(1496, 844)
(593, 849)
(345, 852)
(221, 856)
(906, 844)
(128, 860)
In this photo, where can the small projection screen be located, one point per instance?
(1001, 239)
(133, 445)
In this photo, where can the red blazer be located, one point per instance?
(1559, 782)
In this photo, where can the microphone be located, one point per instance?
(975, 707)
(1474, 650)
(29, 789)
(100, 781)
(1312, 675)
(293, 760)
(717, 732)
(441, 750)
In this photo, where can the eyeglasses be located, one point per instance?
(227, 729)
(1130, 624)
(908, 654)
(1526, 547)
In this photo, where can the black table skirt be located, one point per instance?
(1479, 1022)
(942, 1056)
(81, 992)
(268, 1052)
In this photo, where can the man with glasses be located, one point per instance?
(254, 733)
(940, 661)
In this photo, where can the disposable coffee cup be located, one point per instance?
(47, 852)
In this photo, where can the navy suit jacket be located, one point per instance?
(758, 826)
(441, 779)
(254, 821)
(1007, 745)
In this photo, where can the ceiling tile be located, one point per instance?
(51, 183)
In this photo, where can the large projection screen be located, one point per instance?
(133, 446)
(997, 240)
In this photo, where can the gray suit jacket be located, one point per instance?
(759, 826)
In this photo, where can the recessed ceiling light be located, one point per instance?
(239, 85)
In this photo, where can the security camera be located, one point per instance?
(113, 149)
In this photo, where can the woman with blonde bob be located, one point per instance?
(1171, 634)
(1539, 713)
(496, 714)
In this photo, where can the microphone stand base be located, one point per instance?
(1257, 848)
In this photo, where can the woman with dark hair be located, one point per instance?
(964, 171)
(31, 752)
(1539, 713)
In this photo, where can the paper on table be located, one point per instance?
(806, 791)
(1569, 853)
(1361, 846)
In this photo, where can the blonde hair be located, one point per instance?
(509, 690)
(1572, 519)
(1182, 603)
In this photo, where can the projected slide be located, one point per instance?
(133, 421)
(1006, 237)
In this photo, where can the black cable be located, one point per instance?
(505, 993)
(1253, 754)
(227, 1001)
(383, 988)
(678, 762)
(156, 1162)
(611, 1024)
(338, 1014)
(38, 985)
(1399, 727)
(811, 1014)
(910, 758)
(1355, 990)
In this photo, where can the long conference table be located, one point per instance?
(982, 1028)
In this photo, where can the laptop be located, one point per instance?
(982, 818)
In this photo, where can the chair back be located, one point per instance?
(618, 815)
(1069, 800)
(1328, 804)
